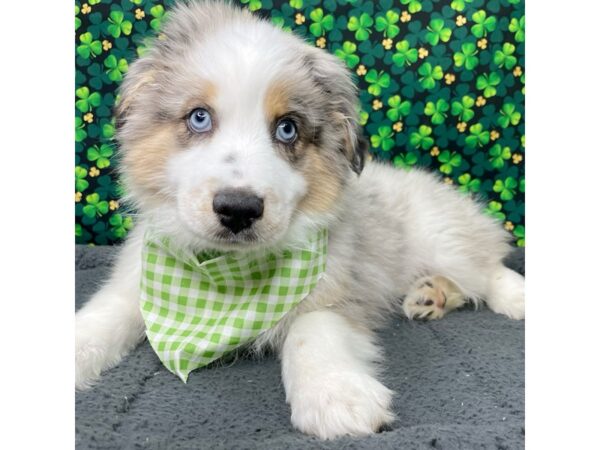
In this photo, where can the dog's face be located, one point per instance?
(234, 133)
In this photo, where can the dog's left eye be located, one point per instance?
(286, 131)
(199, 121)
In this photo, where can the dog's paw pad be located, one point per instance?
(431, 298)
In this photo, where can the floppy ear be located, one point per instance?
(140, 75)
(335, 81)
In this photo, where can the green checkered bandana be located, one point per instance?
(198, 308)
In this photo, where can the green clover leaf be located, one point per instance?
(488, 83)
(116, 69)
(383, 138)
(321, 23)
(509, 115)
(77, 19)
(347, 54)
(406, 161)
(478, 137)
(494, 209)
(118, 24)
(414, 6)
(483, 24)
(95, 207)
(437, 111)
(519, 233)
(120, 225)
(506, 188)
(466, 184)
(253, 5)
(363, 118)
(387, 24)
(101, 155)
(517, 26)
(464, 108)
(466, 57)
(398, 108)
(404, 54)
(81, 184)
(296, 4)
(421, 138)
(459, 5)
(361, 26)
(449, 161)
(377, 81)
(87, 100)
(437, 32)
(158, 14)
(88, 46)
(80, 133)
(504, 57)
(498, 155)
(429, 75)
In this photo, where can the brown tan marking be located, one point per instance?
(145, 161)
(323, 178)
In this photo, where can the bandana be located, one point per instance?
(197, 308)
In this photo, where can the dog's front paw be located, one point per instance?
(88, 362)
(341, 404)
(507, 294)
(432, 298)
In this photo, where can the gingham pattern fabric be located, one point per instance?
(198, 308)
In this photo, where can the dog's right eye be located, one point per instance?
(199, 121)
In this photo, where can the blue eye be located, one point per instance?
(286, 131)
(200, 121)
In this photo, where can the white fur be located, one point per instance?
(387, 230)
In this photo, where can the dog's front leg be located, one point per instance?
(110, 324)
(328, 369)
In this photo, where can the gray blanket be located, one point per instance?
(459, 384)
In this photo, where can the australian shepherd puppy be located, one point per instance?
(225, 105)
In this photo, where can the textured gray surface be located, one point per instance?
(459, 385)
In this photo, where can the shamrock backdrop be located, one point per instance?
(441, 85)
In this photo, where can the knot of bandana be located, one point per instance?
(198, 308)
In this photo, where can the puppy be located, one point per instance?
(224, 102)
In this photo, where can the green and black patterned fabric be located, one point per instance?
(442, 85)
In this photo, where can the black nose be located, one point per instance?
(237, 209)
